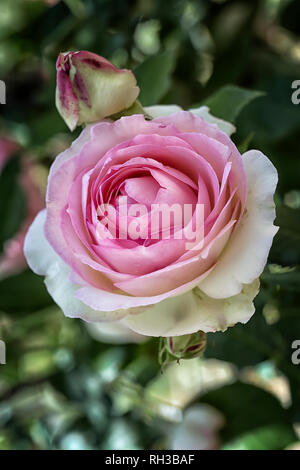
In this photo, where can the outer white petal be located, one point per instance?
(40, 257)
(161, 110)
(245, 256)
(115, 332)
(204, 113)
(43, 260)
(194, 311)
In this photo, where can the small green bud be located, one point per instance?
(174, 348)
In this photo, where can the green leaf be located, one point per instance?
(246, 408)
(288, 219)
(25, 292)
(260, 117)
(77, 8)
(244, 345)
(153, 77)
(267, 438)
(244, 145)
(12, 202)
(228, 102)
(289, 281)
(286, 246)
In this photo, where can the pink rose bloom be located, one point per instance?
(156, 287)
(12, 260)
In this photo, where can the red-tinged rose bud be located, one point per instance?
(90, 88)
(174, 348)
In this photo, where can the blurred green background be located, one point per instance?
(63, 389)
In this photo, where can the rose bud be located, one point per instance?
(175, 348)
(90, 88)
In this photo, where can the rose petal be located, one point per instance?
(115, 332)
(43, 260)
(203, 112)
(191, 312)
(246, 254)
